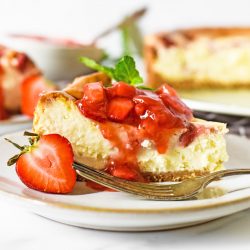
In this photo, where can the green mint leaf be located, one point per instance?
(98, 67)
(125, 70)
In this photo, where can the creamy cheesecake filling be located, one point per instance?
(61, 116)
(220, 60)
(206, 153)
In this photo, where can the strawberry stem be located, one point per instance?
(33, 137)
(13, 159)
(27, 133)
(15, 144)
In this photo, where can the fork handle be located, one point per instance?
(229, 172)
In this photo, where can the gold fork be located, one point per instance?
(155, 191)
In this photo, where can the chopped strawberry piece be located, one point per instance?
(125, 172)
(121, 89)
(140, 109)
(171, 100)
(175, 104)
(189, 135)
(166, 89)
(148, 100)
(155, 111)
(94, 93)
(119, 108)
(31, 89)
(93, 104)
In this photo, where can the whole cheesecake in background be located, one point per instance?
(14, 68)
(21, 82)
(135, 134)
(198, 58)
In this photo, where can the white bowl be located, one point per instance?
(57, 61)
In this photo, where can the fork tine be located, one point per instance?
(148, 186)
(125, 188)
(122, 185)
(180, 191)
(141, 184)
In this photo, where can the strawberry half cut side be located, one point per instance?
(46, 164)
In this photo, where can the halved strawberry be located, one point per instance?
(119, 108)
(121, 89)
(31, 88)
(46, 165)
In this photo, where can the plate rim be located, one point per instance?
(78, 207)
(217, 108)
(10, 120)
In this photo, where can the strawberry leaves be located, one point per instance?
(32, 139)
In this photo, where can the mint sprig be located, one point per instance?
(95, 66)
(124, 70)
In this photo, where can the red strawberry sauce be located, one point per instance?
(127, 116)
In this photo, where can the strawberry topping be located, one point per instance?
(119, 108)
(129, 116)
(93, 104)
(121, 89)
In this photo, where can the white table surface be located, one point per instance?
(22, 230)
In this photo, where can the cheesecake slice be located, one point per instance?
(14, 68)
(132, 133)
(199, 58)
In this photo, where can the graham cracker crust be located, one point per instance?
(167, 176)
(173, 176)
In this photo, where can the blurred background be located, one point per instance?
(84, 19)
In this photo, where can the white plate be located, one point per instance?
(15, 123)
(124, 212)
(229, 102)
